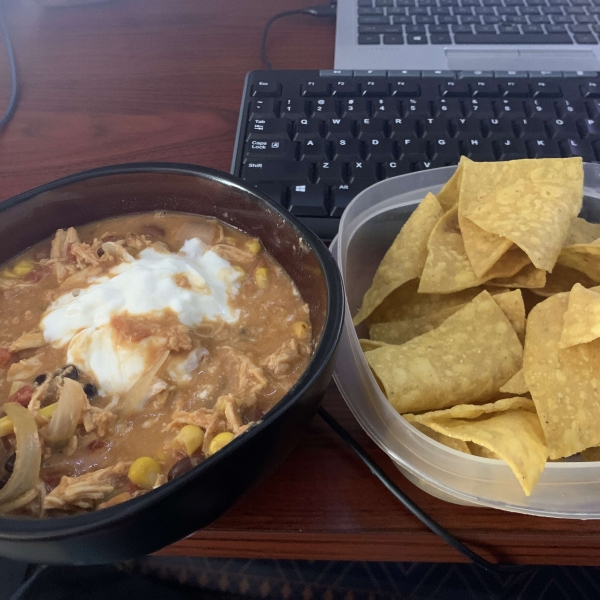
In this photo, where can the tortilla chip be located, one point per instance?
(584, 258)
(488, 226)
(509, 428)
(477, 450)
(581, 232)
(535, 210)
(516, 386)
(448, 195)
(406, 303)
(405, 258)
(466, 359)
(529, 277)
(512, 306)
(591, 454)
(438, 437)
(366, 345)
(400, 332)
(562, 279)
(582, 319)
(564, 383)
(448, 269)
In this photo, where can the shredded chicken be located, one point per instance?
(232, 412)
(250, 379)
(99, 420)
(282, 361)
(203, 417)
(24, 369)
(40, 395)
(117, 251)
(179, 339)
(84, 491)
(218, 425)
(86, 254)
(81, 277)
(31, 339)
(233, 254)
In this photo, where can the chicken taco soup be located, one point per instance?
(133, 348)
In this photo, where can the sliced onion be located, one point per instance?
(22, 500)
(29, 454)
(71, 403)
(131, 400)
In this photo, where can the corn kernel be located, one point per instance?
(300, 329)
(143, 472)
(254, 246)
(48, 411)
(261, 277)
(6, 426)
(190, 438)
(239, 270)
(23, 267)
(220, 441)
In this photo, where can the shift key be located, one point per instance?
(277, 170)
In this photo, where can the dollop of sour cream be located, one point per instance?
(146, 286)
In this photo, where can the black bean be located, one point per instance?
(9, 465)
(180, 467)
(40, 379)
(4, 480)
(70, 371)
(90, 390)
(100, 252)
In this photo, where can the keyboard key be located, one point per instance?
(295, 108)
(325, 108)
(532, 126)
(369, 39)
(406, 88)
(347, 149)
(342, 196)
(577, 147)
(363, 170)
(269, 128)
(470, 127)
(590, 127)
(375, 88)
(562, 128)
(344, 88)
(403, 127)
(479, 107)
(330, 173)
(412, 149)
(510, 149)
(590, 90)
(308, 200)
(314, 88)
(444, 147)
(572, 108)
(476, 149)
(497, 128)
(434, 127)
(260, 148)
(372, 21)
(454, 89)
(543, 89)
(509, 109)
(415, 108)
(393, 39)
(394, 168)
(339, 128)
(313, 150)
(484, 89)
(369, 127)
(355, 108)
(448, 107)
(307, 129)
(540, 108)
(380, 150)
(543, 149)
(266, 89)
(435, 163)
(263, 109)
(586, 38)
(416, 39)
(515, 89)
(507, 38)
(385, 108)
(277, 170)
(440, 38)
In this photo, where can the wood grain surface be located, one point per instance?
(156, 80)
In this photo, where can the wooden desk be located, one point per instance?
(141, 80)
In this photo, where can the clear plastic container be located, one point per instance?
(367, 229)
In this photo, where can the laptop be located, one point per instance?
(470, 35)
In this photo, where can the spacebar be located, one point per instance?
(513, 38)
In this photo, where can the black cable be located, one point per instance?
(412, 507)
(324, 10)
(12, 103)
(28, 582)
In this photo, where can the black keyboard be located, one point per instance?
(447, 22)
(313, 140)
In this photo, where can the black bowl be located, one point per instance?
(198, 497)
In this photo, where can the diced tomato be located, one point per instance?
(5, 357)
(23, 395)
(37, 274)
(97, 444)
(70, 255)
